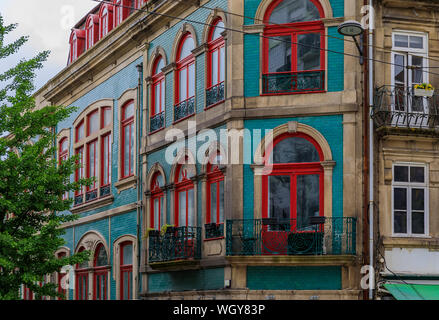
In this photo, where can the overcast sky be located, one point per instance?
(48, 24)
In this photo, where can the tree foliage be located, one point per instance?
(32, 182)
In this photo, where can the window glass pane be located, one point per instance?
(107, 116)
(80, 132)
(126, 285)
(219, 28)
(126, 162)
(213, 200)
(156, 213)
(106, 164)
(308, 198)
(418, 223)
(159, 67)
(416, 42)
(191, 80)
(191, 208)
(162, 97)
(399, 69)
(222, 64)
(183, 84)
(417, 174)
(400, 222)
(279, 197)
(182, 208)
(400, 199)
(417, 73)
(132, 149)
(215, 67)
(308, 51)
(221, 200)
(418, 199)
(101, 258)
(401, 41)
(295, 149)
(162, 212)
(186, 49)
(64, 145)
(401, 174)
(129, 111)
(289, 11)
(157, 99)
(128, 254)
(279, 54)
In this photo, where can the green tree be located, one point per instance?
(32, 182)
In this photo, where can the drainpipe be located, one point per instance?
(139, 199)
(371, 149)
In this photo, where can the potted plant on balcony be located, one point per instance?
(151, 232)
(424, 90)
(168, 228)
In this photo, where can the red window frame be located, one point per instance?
(79, 173)
(93, 145)
(100, 273)
(293, 30)
(77, 44)
(78, 128)
(215, 46)
(214, 176)
(184, 64)
(91, 30)
(184, 185)
(157, 193)
(127, 122)
(158, 79)
(27, 293)
(105, 20)
(93, 113)
(140, 3)
(126, 270)
(106, 159)
(81, 274)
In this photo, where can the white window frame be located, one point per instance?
(409, 186)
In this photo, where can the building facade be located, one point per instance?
(226, 142)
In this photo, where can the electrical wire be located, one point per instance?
(257, 35)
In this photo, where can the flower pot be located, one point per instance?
(423, 93)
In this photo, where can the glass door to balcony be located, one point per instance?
(408, 70)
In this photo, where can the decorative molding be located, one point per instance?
(93, 205)
(126, 183)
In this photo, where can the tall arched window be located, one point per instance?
(216, 64)
(128, 135)
(126, 270)
(293, 190)
(89, 34)
(185, 79)
(105, 20)
(184, 198)
(157, 205)
(81, 279)
(92, 30)
(158, 95)
(293, 47)
(100, 274)
(215, 198)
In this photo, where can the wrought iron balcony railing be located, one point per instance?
(333, 236)
(184, 109)
(157, 121)
(293, 82)
(400, 107)
(215, 94)
(179, 243)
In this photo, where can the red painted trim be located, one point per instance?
(182, 186)
(79, 174)
(125, 270)
(213, 177)
(156, 193)
(125, 123)
(106, 141)
(183, 64)
(275, 3)
(109, 19)
(92, 145)
(214, 46)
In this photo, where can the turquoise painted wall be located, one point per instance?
(331, 127)
(205, 279)
(294, 278)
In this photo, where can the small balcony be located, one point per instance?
(320, 236)
(157, 121)
(177, 244)
(184, 109)
(215, 95)
(400, 107)
(293, 82)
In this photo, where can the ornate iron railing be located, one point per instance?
(293, 82)
(213, 230)
(335, 236)
(184, 109)
(400, 107)
(215, 94)
(79, 199)
(91, 195)
(180, 243)
(157, 121)
(105, 191)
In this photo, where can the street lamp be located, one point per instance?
(353, 29)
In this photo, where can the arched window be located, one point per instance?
(294, 43)
(185, 79)
(293, 190)
(89, 34)
(93, 145)
(128, 134)
(105, 20)
(82, 279)
(100, 274)
(92, 30)
(184, 198)
(77, 39)
(216, 64)
(157, 198)
(158, 95)
(215, 198)
(126, 270)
